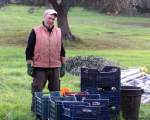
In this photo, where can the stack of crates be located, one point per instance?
(106, 83)
(41, 101)
(83, 112)
(98, 107)
(79, 107)
(42, 107)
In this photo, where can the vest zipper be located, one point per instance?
(49, 48)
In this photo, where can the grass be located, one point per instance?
(15, 84)
(16, 23)
(128, 58)
(96, 31)
(14, 87)
(122, 39)
(108, 32)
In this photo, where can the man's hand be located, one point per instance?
(62, 70)
(29, 70)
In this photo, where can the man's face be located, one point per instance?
(49, 20)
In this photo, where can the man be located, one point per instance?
(45, 55)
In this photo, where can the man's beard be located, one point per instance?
(48, 25)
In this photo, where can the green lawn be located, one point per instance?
(122, 39)
(96, 31)
(15, 84)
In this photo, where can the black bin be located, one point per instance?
(130, 102)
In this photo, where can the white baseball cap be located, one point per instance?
(50, 12)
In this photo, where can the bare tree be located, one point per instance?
(62, 8)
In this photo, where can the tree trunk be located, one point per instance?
(62, 11)
(63, 24)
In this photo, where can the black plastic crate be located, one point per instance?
(41, 101)
(113, 96)
(86, 112)
(106, 79)
(88, 77)
(67, 104)
(104, 104)
(59, 105)
(56, 106)
(114, 102)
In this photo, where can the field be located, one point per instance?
(121, 38)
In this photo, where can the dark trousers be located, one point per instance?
(41, 77)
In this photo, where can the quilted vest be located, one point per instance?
(47, 48)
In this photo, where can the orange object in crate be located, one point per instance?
(64, 90)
